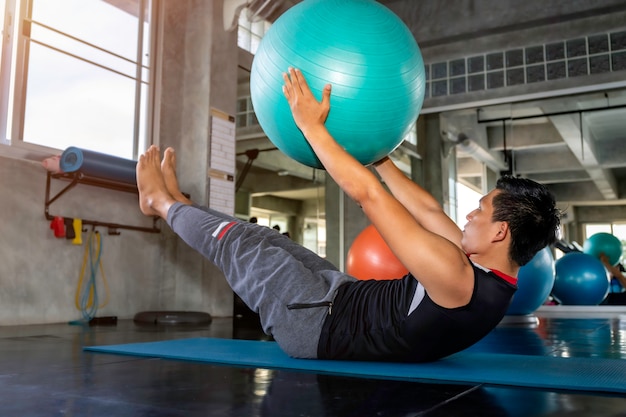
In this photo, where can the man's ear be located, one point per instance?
(501, 232)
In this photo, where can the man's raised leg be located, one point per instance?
(168, 168)
(154, 199)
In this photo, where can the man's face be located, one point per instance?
(480, 227)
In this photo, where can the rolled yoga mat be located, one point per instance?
(99, 165)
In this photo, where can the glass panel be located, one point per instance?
(495, 61)
(576, 47)
(476, 82)
(8, 48)
(576, 67)
(556, 70)
(534, 54)
(592, 229)
(254, 44)
(535, 73)
(258, 28)
(555, 51)
(467, 201)
(81, 87)
(252, 120)
(619, 61)
(476, 64)
(619, 231)
(515, 76)
(74, 47)
(495, 79)
(599, 64)
(598, 44)
(72, 103)
(242, 105)
(143, 122)
(440, 70)
(2, 23)
(244, 23)
(439, 88)
(96, 22)
(243, 38)
(514, 58)
(618, 41)
(457, 85)
(457, 67)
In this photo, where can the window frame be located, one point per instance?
(13, 79)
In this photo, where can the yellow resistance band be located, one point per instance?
(86, 298)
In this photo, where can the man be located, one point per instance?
(459, 283)
(616, 295)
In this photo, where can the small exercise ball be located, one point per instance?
(580, 279)
(534, 283)
(369, 257)
(604, 243)
(365, 52)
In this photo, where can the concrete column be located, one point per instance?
(431, 171)
(344, 221)
(196, 78)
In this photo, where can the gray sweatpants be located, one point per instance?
(290, 287)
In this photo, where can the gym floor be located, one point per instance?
(45, 372)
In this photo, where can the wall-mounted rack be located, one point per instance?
(75, 178)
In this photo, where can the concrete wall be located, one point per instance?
(39, 273)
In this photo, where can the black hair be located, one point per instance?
(530, 210)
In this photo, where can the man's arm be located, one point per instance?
(613, 270)
(422, 205)
(437, 262)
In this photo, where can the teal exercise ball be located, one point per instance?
(534, 283)
(580, 279)
(605, 243)
(365, 52)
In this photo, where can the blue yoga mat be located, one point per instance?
(579, 374)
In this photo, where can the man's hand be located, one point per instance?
(308, 113)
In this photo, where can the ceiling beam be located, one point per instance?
(580, 142)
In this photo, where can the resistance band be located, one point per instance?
(86, 297)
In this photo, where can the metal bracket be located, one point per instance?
(76, 178)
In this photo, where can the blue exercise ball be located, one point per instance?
(605, 243)
(365, 52)
(580, 279)
(534, 283)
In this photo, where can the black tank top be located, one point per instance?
(370, 319)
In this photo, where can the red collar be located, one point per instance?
(507, 278)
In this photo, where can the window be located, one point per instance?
(81, 75)
(7, 13)
(593, 54)
(314, 235)
(245, 113)
(616, 229)
(466, 202)
(249, 33)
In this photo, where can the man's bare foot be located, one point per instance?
(168, 169)
(154, 199)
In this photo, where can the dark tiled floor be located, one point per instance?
(45, 372)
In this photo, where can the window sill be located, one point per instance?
(27, 152)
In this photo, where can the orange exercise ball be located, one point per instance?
(369, 257)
